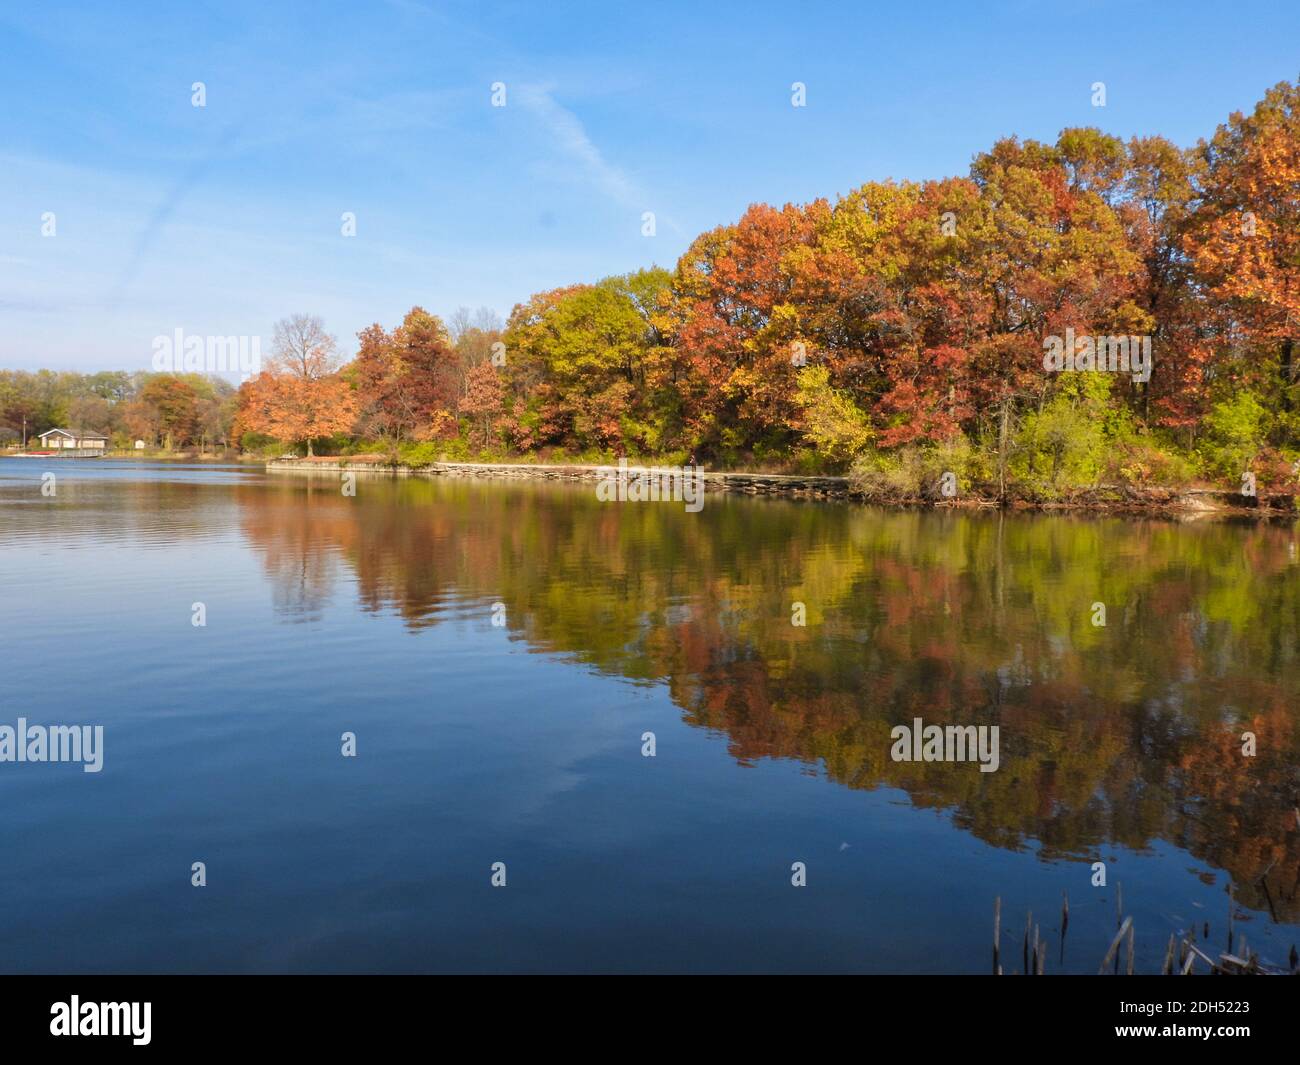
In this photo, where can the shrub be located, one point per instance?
(1141, 463)
(1235, 430)
(424, 453)
(916, 472)
(260, 444)
(887, 476)
(1275, 473)
(1063, 445)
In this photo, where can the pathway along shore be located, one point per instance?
(1180, 502)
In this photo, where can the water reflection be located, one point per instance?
(1127, 733)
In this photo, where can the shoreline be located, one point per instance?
(138, 456)
(1181, 503)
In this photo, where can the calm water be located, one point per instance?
(521, 743)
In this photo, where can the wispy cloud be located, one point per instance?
(570, 136)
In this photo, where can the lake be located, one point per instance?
(499, 652)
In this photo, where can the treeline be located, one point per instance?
(162, 409)
(901, 331)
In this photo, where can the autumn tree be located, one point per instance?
(301, 348)
(300, 397)
(905, 318)
(407, 380)
(483, 402)
(584, 364)
(141, 421)
(176, 405)
(830, 421)
(1245, 240)
(733, 292)
(89, 412)
(884, 303)
(476, 336)
(1156, 209)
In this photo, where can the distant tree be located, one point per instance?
(111, 385)
(462, 321)
(483, 402)
(89, 412)
(215, 414)
(175, 403)
(141, 421)
(474, 336)
(302, 348)
(300, 397)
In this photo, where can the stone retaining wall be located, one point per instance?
(749, 483)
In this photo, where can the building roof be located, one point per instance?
(76, 434)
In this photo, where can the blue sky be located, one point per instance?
(221, 219)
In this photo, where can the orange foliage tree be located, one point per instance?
(300, 397)
(1245, 236)
(408, 381)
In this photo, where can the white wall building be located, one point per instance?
(79, 439)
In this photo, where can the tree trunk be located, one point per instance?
(1003, 436)
(1288, 372)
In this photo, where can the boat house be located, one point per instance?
(75, 440)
